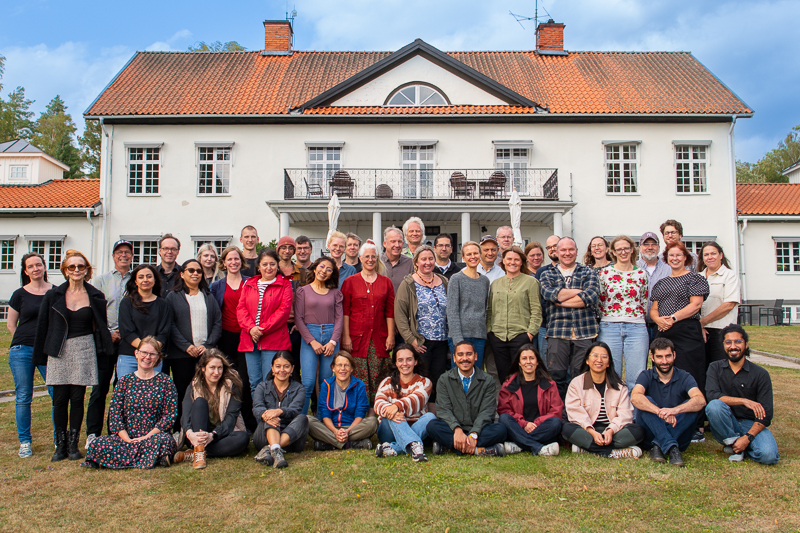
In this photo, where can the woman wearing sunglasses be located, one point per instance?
(623, 302)
(71, 335)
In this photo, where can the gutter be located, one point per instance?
(34, 210)
(742, 278)
(89, 213)
(106, 195)
(738, 251)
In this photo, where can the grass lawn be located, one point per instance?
(784, 340)
(354, 491)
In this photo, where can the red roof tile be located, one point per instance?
(77, 193)
(768, 198)
(248, 83)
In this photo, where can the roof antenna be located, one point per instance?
(534, 18)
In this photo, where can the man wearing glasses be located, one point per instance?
(739, 409)
(168, 249)
(656, 270)
(443, 249)
(672, 230)
(505, 240)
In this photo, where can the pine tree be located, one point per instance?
(90, 148)
(53, 134)
(15, 117)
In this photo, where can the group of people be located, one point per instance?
(271, 345)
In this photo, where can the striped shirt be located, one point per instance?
(262, 287)
(412, 400)
(602, 416)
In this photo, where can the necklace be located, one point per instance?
(426, 282)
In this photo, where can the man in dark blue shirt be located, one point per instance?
(667, 402)
(739, 407)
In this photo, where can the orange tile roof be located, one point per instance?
(53, 194)
(248, 83)
(768, 198)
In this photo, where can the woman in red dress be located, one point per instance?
(369, 319)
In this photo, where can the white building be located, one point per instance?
(793, 173)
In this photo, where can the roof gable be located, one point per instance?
(420, 54)
(768, 198)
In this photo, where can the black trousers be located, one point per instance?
(68, 406)
(96, 411)
(504, 352)
(228, 446)
(182, 374)
(229, 345)
(435, 358)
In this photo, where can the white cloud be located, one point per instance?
(167, 46)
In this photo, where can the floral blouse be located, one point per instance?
(623, 295)
(432, 312)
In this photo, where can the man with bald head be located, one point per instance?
(570, 292)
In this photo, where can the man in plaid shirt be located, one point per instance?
(569, 295)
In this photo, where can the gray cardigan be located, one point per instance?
(467, 300)
(181, 332)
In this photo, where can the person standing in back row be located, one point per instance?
(414, 233)
(672, 231)
(443, 249)
(249, 240)
(398, 266)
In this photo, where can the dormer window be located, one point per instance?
(417, 95)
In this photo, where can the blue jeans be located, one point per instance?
(126, 364)
(400, 434)
(20, 359)
(310, 361)
(724, 425)
(545, 433)
(542, 341)
(664, 435)
(628, 341)
(480, 345)
(259, 363)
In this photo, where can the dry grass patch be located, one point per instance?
(784, 340)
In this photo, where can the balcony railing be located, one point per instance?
(420, 184)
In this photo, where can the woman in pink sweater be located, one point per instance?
(401, 405)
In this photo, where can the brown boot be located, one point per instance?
(199, 459)
(180, 457)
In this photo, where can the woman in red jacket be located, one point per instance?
(529, 405)
(263, 311)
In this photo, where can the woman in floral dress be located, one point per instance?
(143, 409)
(623, 301)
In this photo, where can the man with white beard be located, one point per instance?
(656, 270)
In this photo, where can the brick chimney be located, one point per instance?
(550, 38)
(277, 36)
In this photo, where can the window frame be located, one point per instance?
(159, 148)
(23, 179)
(636, 162)
(49, 245)
(138, 242)
(4, 306)
(691, 162)
(792, 245)
(417, 85)
(428, 182)
(199, 240)
(694, 243)
(321, 170)
(215, 147)
(6, 261)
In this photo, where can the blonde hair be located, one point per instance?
(336, 235)
(469, 243)
(204, 248)
(634, 251)
(69, 254)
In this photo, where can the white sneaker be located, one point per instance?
(633, 452)
(385, 450)
(25, 450)
(736, 458)
(578, 449)
(511, 447)
(550, 450)
(89, 439)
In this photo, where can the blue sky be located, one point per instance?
(53, 47)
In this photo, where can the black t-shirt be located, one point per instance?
(530, 398)
(249, 267)
(27, 305)
(134, 324)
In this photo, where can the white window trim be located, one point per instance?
(513, 144)
(27, 177)
(638, 168)
(784, 240)
(339, 145)
(198, 240)
(675, 145)
(13, 239)
(695, 143)
(133, 239)
(324, 144)
(51, 266)
(130, 145)
(417, 142)
(416, 103)
(197, 147)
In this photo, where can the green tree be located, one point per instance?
(217, 46)
(768, 169)
(89, 143)
(15, 116)
(54, 132)
(2, 71)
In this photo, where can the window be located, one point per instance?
(621, 169)
(695, 244)
(515, 160)
(51, 250)
(417, 95)
(220, 243)
(214, 169)
(145, 252)
(690, 168)
(418, 171)
(144, 167)
(3, 311)
(7, 254)
(17, 173)
(788, 255)
(323, 162)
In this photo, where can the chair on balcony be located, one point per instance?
(495, 186)
(383, 192)
(460, 187)
(342, 184)
(776, 312)
(313, 190)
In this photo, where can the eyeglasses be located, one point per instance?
(553, 247)
(146, 355)
(194, 270)
(171, 250)
(626, 250)
(597, 246)
(601, 356)
(342, 367)
(670, 233)
(444, 245)
(79, 268)
(737, 342)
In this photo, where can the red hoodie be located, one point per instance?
(275, 309)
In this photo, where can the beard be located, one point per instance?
(735, 358)
(649, 257)
(553, 258)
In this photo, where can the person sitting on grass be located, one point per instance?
(401, 405)
(529, 405)
(667, 402)
(739, 406)
(599, 409)
(212, 411)
(278, 405)
(143, 409)
(466, 402)
(342, 421)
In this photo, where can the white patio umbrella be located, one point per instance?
(515, 206)
(334, 208)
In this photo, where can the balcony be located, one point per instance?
(421, 184)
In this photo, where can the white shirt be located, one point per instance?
(724, 287)
(199, 318)
(493, 273)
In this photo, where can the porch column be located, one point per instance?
(465, 225)
(284, 229)
(558, 225)
(377, 231)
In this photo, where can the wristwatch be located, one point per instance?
(750, 436)
(473, 436)
(673, 318)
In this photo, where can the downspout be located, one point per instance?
(742, 279)
(91, 238)
(738, 250)
(106, 196)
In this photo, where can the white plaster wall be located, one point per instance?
(79, 237)
(458, 91)
(39, 168)
(763, 282)
(794, 176)
(261, 152)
